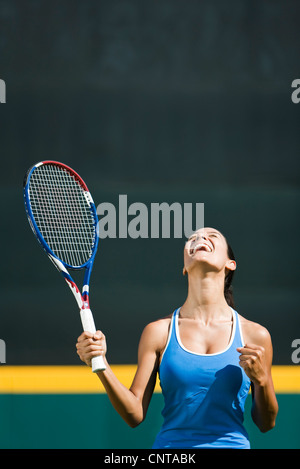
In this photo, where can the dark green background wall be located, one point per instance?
(163, 101)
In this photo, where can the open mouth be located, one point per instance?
(200, 247)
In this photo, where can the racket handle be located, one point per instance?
(88, 325)
(98, 364)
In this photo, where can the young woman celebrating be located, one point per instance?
(207, 356)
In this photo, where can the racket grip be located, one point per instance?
(88, 325)
(98, 364)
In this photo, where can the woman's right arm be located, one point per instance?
(131, 404)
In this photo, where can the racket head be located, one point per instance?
(61, 213)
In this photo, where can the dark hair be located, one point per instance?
(228, 292)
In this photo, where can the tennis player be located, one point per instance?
(207, 357)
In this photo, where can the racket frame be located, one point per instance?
(82, 299)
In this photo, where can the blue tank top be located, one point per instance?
(204, 394)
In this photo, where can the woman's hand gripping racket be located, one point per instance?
(63, 217)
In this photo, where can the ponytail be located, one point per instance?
(228, 291)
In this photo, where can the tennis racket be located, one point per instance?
(63, 217)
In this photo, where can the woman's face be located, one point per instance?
(207, 247)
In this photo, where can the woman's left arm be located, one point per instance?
(256, 360)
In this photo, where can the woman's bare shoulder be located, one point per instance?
(156, 332)
(254, 333)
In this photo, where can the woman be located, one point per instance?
(206, 355)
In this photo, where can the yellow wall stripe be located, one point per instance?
(81, 380)
(286, 379)
(58, 379)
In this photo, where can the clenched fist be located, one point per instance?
(253, 362)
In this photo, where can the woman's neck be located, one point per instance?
(205, 299)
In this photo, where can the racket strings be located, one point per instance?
(62, 214)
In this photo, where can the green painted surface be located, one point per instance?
(89, 421)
